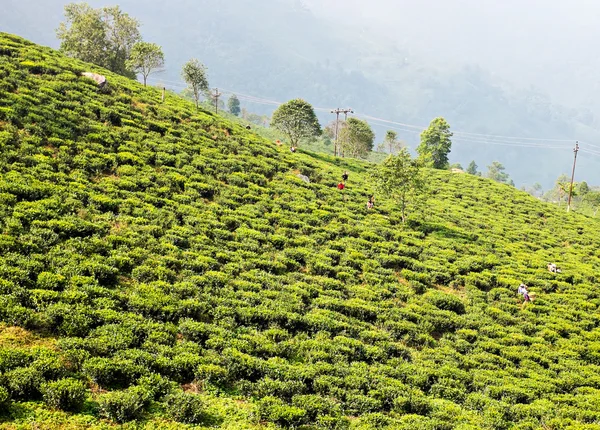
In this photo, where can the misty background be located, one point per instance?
(521, 70)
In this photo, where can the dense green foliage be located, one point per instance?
(104, 36)
(400, 178)
(233, 105)
(170, 251)
(356, 138)
(296, 119)
(65, 394)
(194, 74)
(436, 144)
(146, 58)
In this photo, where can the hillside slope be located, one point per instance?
(148, 248)
(279, 50)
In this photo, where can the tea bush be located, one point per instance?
(123, 406)
(64, 394)
(156, 247)
(185, 408)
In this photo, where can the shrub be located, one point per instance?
(185, 408)
(50, 281)
(275, 410)
(123, 406)
(65, 394)
(4, 399)
(445, 301)
(110, 372)
(24, 383)
(156, 385)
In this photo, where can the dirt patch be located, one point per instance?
(17, 337)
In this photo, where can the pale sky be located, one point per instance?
(539, 42)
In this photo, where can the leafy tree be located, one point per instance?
(497, 173)
(562, 187)
(436, 144)
(145, 59)
(233, 105)
(472, 168)
(583, 188)
(456, 166)
(391, 141)
(194, 74)
(297, 120)
(103, 36)
(592, 198)
(357, 138)
(399, 177)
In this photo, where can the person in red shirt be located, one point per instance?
(341, 186)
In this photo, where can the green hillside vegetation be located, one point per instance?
(162, 264)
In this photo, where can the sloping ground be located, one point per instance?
(143, 239)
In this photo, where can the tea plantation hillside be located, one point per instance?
(163, 265)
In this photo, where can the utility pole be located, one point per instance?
(576, 150)
(337, 112)
(216, 96)
(163, 94)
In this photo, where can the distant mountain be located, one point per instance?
(277, 49)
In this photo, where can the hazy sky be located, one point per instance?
(539, 42)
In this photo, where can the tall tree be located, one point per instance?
(472, 168)
(497, 173)
(357, 138)
(391, 141)
(145, 59)
(194, 74)
(297, 120)
(234, 105)
(103, 36)
(436, 144)
(399, 177)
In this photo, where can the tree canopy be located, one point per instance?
(356, 138)
(436, 144)
(472, 168)
(497, 173)
(104, 36)
(145, 59)
(400, 178)
(194, 74)
(233, 104)
(391, 141)
(297, 120)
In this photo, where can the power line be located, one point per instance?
(465, 137)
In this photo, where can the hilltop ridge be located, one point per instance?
(173, 266)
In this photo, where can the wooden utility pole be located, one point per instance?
(337, 112)
(163, 94)
(216, 96)
(576, 150)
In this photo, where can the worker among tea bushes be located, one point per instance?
(344, 177)
(341, 186)
(523, 291)
(553, 268)
(371, 202)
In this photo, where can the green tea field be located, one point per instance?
(163, 267)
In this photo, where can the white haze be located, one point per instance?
(549, 44)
